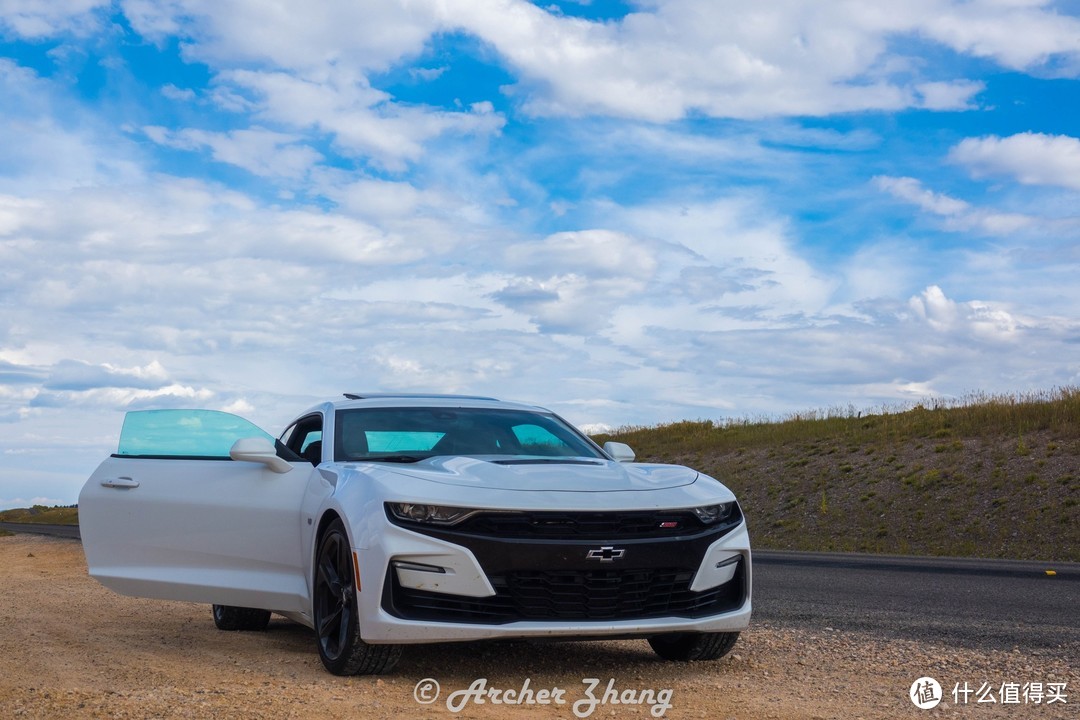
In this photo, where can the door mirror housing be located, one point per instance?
(619, 451)
(259, 450)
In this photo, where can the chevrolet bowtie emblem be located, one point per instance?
(607, 553)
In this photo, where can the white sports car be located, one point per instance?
(386, 520)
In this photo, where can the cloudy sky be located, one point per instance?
(631, 212)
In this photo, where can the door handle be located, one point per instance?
(120, 482)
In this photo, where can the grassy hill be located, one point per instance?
(989, 476)
(42, 514)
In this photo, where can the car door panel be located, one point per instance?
(204, 530)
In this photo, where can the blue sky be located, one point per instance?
(631, 212)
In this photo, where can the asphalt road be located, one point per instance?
(68, 531)
(1000, 604)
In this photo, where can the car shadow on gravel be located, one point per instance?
(493, 659)
(477, 659)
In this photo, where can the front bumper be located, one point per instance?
(492, 588)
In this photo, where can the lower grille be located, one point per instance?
(572, 595)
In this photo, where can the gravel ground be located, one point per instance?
(70, 648)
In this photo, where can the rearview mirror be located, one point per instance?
(259, 450)
(619, 451)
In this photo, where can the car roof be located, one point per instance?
(384, 399)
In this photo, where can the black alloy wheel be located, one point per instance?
(337, 625)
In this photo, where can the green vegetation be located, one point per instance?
(986, 476)
(5, 533)
(43, 515)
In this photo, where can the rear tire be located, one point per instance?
(337, 621)
(683, 647)
(227, 617)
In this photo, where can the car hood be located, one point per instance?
(548, 474)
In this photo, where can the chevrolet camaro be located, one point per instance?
(381, 521)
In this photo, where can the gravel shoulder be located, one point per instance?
(70, 648)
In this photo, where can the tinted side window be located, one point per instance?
(183, 433)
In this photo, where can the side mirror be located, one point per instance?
(620, 451)
(259, 450)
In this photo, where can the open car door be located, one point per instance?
(171, 515)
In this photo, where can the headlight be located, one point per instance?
(433, 514)
(710, 514)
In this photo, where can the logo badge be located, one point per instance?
(925, 693)
(607, 553)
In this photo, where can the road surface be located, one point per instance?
(66, 531)
(999, 604)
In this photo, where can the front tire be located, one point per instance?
(683, 647)
(337, 622)
(227, 617)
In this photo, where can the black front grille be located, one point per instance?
(589, 525)
(573, 595)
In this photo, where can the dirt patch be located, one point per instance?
(70, 648)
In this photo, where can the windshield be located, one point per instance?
(411, 434)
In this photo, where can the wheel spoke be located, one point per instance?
(343, 628)
(326, 622)
(329, 575)
(344, 563)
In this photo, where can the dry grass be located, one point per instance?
(986, 476)
(40, 514)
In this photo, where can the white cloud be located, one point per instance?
(954, 95)
(428, 74)
(911, 190)
(707, 266)
(733, 59)
(1018, 34)
(390, 200)
(983, 320)
(750, 245)
(936, 309)
(369, 35)
(175, 93)
(1032, 158)
(595, 253)
(123, 398)
(198, 227)
(260, 151)
(76, 375)
(361, 120)
(958, 215)
(306, 69)
(36, 19)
